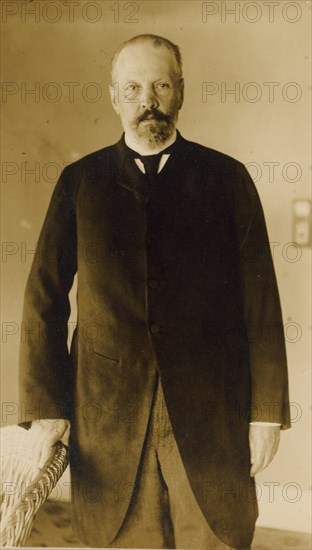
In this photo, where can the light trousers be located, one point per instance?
(163, 512)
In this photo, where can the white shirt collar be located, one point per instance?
(131, 143)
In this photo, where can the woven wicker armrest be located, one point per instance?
(23, 489)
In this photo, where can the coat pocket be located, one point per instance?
(105, 355)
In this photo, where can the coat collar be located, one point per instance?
(127, 172)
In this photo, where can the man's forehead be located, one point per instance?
(144, 57)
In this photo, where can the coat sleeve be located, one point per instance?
(262, 309)
(45, 379)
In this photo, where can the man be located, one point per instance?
(176, 381)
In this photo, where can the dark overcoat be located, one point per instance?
(175, 278)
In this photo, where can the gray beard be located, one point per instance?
(155, 134)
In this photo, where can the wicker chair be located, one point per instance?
(23, 489)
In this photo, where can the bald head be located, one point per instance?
(157, 42)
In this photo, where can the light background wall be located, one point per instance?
(218, 47)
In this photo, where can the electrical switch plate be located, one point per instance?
(302, 222)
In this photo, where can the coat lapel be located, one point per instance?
(128, 174)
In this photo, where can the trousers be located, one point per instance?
(163, 512)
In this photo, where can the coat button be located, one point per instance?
(154, 329)
(153, 283)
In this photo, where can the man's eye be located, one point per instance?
(130, 88)
(162, 88)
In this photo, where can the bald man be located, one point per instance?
(175, 387)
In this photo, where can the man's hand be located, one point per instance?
(263, 441)
(45, 433)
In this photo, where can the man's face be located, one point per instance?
(147, 92)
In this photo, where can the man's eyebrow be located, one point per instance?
(167, 79)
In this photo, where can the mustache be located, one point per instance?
(155, 114)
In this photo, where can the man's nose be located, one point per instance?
(148, 98)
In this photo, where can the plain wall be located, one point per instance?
(220, 51)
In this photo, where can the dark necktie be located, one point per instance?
(151, 163)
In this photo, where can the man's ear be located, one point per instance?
(181, 86)
(114, 95)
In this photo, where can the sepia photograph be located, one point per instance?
(156, 274)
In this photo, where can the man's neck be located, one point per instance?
(143, 149)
